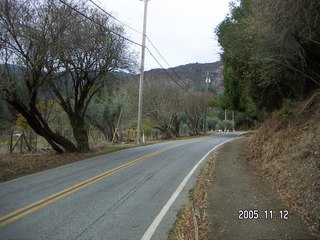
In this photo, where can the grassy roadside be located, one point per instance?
(192, 220)
(285, 152)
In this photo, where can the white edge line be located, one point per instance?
(152, 228)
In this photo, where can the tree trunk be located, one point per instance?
(53, 145)
(65, 143)
(176, 127)
(56, 141)
(168, 134)
(81, 136)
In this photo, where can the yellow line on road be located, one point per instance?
(13, 216)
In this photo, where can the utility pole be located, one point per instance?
(233, 123)
(208, 80)
(225, 119)
(142, 71)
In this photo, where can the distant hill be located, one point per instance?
(194, 74)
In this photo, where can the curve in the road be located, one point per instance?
(15, 215)
(153, 226)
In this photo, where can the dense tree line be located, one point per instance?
(60, 55)
(271, 52)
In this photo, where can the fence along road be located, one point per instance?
(113, 196)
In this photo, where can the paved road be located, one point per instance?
(113, 196)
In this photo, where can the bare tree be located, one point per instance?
(163, 105)
(88, 52)
(60, 51)
(195, 106)
(25, 41)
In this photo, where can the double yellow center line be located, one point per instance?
(13, 216)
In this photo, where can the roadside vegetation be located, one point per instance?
(271, 53)
(50, 53)
(193, 221)
(271, 59)
(285, 151)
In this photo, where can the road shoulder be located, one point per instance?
(228, 184)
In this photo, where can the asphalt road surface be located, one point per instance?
(130, 194)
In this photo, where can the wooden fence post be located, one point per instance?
(30, 140)
(36, 143)
(10, 142)
(26, 140)
(21, 142)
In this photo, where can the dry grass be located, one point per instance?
(286, 151)
(195, 210)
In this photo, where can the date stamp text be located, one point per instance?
(265, 214)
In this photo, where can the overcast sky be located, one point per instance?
(182, 30)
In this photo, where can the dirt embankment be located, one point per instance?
(286, 152)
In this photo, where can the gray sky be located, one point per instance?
(182, 30)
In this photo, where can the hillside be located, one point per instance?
(194, 74)
(286, 152)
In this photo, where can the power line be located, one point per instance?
(171, 68)
(147, 39)
(92, 20)
(114, 17)
(127, 39)
(165, 69)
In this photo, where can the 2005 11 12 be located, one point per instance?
(267, 214)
